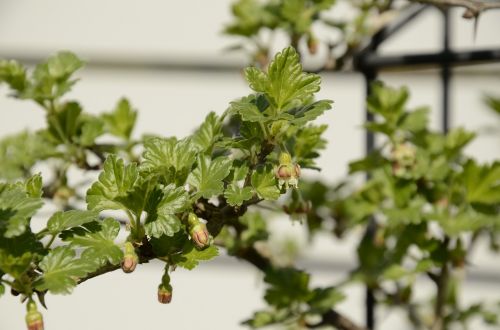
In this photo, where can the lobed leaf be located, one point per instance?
(113, 186)
(61, 270)
(207, 178)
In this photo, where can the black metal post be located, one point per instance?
(370, 301)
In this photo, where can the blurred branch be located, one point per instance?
(473, 7)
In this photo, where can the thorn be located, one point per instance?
(476, 23)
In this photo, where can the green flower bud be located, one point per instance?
(34, 319)
(198, 232)
(130, 258)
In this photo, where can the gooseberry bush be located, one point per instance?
(423, 208)
(173, 197)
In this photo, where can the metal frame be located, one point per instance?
(369, 63)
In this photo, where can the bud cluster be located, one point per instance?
(34, 319)
(403, 159)
(130, 258)
(198, 232)
(287, 172)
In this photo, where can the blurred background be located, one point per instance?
(168, 58)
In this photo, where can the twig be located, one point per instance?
(473, 8)
(337, 320)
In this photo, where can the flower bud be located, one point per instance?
(312, 44)
(164, 294)
(284, 172)
(288, 173)
(130, 258)
(198, 232)
(403, 159)
(200, 236)
(165, 289)
(34, 319)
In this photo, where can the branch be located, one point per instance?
(473, 8)
(331, 317)
(336, 320)
(145, 255)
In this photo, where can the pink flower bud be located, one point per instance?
(164, 294)
(200, 236)
(284, 172)
(34, 319)
(130, 258)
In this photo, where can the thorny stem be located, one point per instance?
(474, 8)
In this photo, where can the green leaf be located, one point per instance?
(114, 185)
(309, 112)
(60, 221)
(284, 82)
(208, 133)
(261, 319)
(51, 78)
(236, 195)
(250, 108)
(20, 152)
(250, 17)
(34, 186)
(492, 102)
(2, 290)
(415, 121)
(14, 74)
(168, 157)
(299, 14)
(165, 246)
(121, 121)
(256, 228)
(308, 143)
(457, 139)
(466, 221)
(61, 270)
(264, 184)
(100, 245)
(191, 257)
(207, 178)
(395, 272)
(63, 125)
(17, 253)
(387, 102)
(91, 128)
(162, 219)
(482, 182)
(63, 65)
(16, 209)
(288, 286)
(324, 299)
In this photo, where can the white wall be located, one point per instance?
(225, 291)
